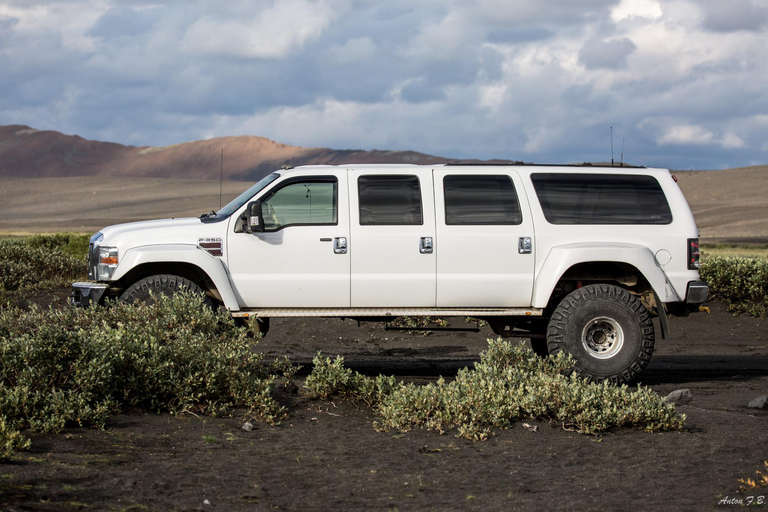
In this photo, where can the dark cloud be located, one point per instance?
(611, 54)
(122, 21)
(734, 15)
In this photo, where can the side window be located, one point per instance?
(601, 199)
(478, 199)
(301, 203)
(389, 200)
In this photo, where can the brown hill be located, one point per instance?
(730, 206)
(26, 152)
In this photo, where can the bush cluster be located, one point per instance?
(78, 366)
(742, 282)
(510, 383)
(41, 261)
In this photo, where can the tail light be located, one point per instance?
(693, 254)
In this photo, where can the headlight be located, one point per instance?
(107, 262)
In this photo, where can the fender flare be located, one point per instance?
(213, 267)
(563, 257)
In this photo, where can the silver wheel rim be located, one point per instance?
(602, 337)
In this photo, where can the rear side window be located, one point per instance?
(601, 199)
(389, 200)
(479, 200)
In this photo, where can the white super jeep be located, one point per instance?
(576, 258)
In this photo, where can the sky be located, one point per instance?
(682, 83)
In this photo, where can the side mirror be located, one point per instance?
(254, 221)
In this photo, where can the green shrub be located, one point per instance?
(78, 366)
(510, 383)
(742, 282)
(24, 265)
(330, 377)
(10, 440)
(72, 244)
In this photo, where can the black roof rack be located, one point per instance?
(527, 164)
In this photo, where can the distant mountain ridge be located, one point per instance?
(26, 152)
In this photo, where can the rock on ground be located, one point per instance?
(680, 397)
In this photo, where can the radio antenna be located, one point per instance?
(611, 146)
(221, 176)
(622, 153)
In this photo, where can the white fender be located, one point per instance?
(563, 257)
(191, 254)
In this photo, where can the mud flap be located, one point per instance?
(663, 323)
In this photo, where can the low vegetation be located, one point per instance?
(40, 262)
(509, 384)
(740, 281)
(758, 482)
(78, 366)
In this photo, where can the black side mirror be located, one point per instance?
(254, 220)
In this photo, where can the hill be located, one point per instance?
(26, 152)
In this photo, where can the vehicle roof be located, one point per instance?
(477, 167)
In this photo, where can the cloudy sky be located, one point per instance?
(683, 83)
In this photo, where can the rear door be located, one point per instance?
(484, 232)
(392, 242)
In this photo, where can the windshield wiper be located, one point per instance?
(208, 215)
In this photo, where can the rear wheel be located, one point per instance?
(606, 329)
(145, 290)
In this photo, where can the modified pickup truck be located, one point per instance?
(578, 259)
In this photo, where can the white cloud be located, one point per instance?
(273, 33)
(628, 9)
(693, 135)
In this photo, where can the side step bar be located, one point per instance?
(383, 312)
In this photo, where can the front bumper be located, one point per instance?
(85, 293)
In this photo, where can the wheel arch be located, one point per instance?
(186, 261)
(631, 266)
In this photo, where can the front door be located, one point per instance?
(392, 241)
(300, 260)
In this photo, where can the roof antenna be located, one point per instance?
(221, 177)
(611, 146)
(621, 163)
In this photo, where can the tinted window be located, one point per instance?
(480, 200)
(389, 200)
(601, 199)
(303, 202)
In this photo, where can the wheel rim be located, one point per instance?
(602, 337)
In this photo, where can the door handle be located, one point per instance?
(524, 245)
(425, 245)
(340, 245)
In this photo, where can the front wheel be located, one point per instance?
(606, 329)
(145, 290)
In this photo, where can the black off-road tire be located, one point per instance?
(161, 284)
(606, 329)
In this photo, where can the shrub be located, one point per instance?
(509, 383)
(72, 244)
(30, 264)
(77, 366)
(742, 282)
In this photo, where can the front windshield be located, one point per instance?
(240, 200)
